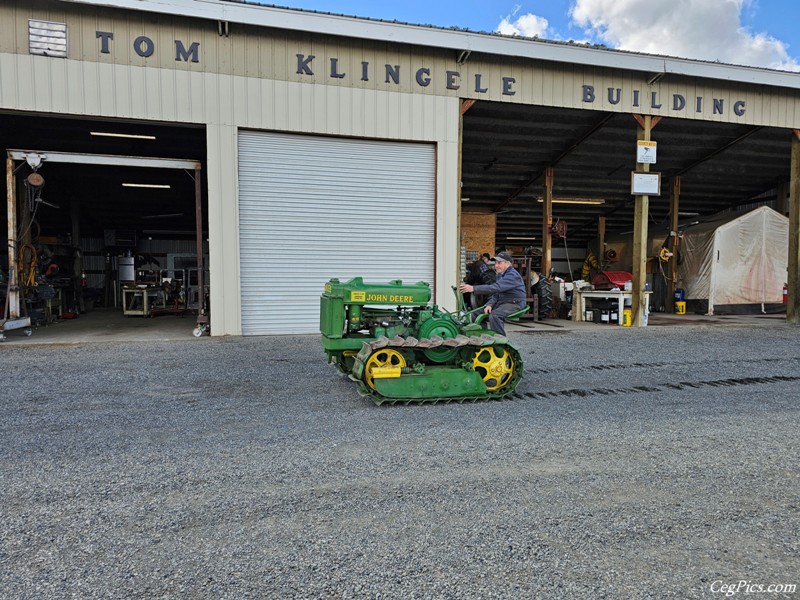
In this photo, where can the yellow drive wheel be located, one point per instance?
(385, 357)
(495, 366)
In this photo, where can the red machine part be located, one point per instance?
(605, 280)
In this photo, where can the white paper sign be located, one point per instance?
(645, 184)
(646, 152)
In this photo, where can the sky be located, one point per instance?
(760, 33)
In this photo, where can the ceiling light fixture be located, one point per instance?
(575, 200)
(169, 231)
(519, 237)
(157, 186)
(123, 135)
(162, 216)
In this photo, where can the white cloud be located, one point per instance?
(527, 25)
(701, 29)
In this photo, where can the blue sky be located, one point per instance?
(750, 32)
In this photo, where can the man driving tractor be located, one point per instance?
(507, 293)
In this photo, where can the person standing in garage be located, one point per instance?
(507, 293)
(479, 272)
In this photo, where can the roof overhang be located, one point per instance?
(418, 35)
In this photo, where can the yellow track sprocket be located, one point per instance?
(495, 365)
(384, 357)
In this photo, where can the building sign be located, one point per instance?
(392, 74)
(474, 84)
(654, 101)
(453, 80)
(144, 47)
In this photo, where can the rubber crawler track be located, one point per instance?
(656, 365)
(419, 346)
(585, 393)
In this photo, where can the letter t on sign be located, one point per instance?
(104, 37)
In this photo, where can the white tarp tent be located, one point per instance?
(737, 263)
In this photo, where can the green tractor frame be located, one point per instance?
(400, 348)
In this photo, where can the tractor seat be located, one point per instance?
(516, 315)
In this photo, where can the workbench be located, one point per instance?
(579, 298)
(139, 300)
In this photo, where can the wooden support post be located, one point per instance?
(640, 218)
(782, 199)
(793, 266)
(77, 257)
(601, 245)
(674, 242)
(460, 269)
(547, 221)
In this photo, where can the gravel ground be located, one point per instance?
(632, 463)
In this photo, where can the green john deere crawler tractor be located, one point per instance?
(399, 348)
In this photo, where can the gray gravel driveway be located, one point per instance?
(631, 463)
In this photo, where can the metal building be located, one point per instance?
(333, 146)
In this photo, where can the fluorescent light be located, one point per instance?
(518, 237)
(157, 186)
(465, 199)
(574, 200)
(123, 135)
(169, 231)
(164, 216)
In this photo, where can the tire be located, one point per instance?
(545, 294)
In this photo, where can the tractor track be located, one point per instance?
(435, 342)
(595, 392)
(636, 389)
(639, 389)
(658, 365)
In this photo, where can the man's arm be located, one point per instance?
(503, 284)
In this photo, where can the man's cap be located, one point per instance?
(487, 255)
(502, 256)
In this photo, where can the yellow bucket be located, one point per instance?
(627, 317)
(680, 308)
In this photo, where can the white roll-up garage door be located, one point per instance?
(312, 208)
